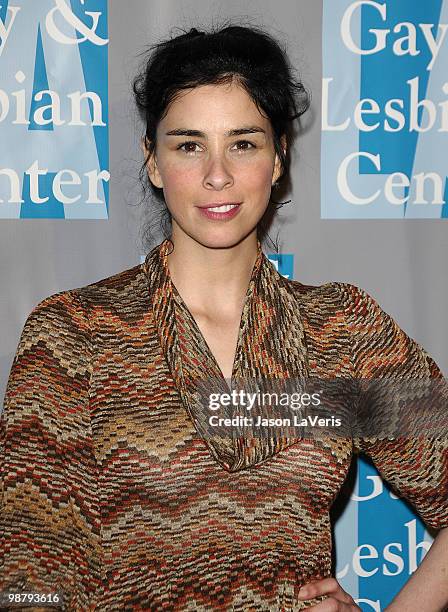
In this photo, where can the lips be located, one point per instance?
(220, 210)
(220, 206)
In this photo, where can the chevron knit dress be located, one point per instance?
(114, 493)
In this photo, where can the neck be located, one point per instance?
(212, 280)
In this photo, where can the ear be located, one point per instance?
(277, 164)
(151, 165)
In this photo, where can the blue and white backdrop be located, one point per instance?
(54, 107)
(368, 183)
(384, 109)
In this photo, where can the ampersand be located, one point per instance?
(66, 12)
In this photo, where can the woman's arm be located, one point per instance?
(49, 516)
(427, 589)
(414, 460)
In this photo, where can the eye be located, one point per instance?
(189, 144)
(245, 148)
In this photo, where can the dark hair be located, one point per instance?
(194, 58)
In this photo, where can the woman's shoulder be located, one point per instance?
(346, 305)
(118, 284)
(332, 294)
(124, 291)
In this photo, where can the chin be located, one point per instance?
(226, 240)
(222, 235)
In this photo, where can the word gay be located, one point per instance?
(403, 45)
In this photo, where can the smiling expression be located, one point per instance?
(215, 150)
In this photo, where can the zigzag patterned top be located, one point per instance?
(115, 496)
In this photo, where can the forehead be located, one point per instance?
(213, 105)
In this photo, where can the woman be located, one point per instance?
(117, 495)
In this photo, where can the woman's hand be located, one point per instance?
(339, 600)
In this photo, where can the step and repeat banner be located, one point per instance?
(69, 161)
(384, 134)
(54, 154)
(384, 109)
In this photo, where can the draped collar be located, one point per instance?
(271, 347)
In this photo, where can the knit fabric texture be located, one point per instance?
(114, 494)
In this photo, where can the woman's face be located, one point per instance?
(214, 147)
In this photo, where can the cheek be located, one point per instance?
(179, 182)
(178, 176)
(259, 176)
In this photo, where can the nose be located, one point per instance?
(217, 174)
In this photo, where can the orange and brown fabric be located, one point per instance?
(117, 494)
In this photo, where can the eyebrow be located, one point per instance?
(252, 129)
